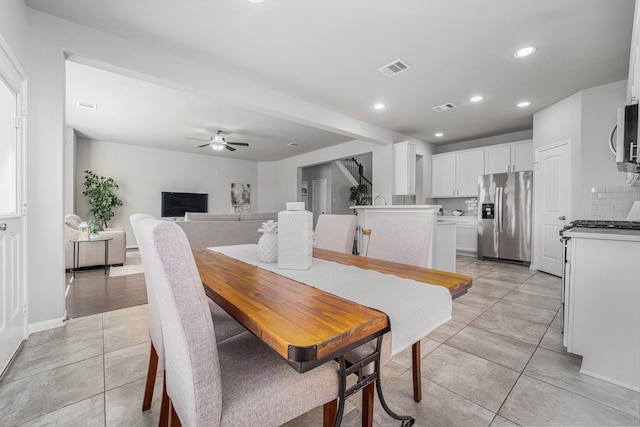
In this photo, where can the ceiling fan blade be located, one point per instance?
(203, 145)
(229, 148)
(244, 144)
(198, 139)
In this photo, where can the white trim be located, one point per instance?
(46, 324)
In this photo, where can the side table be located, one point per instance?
(76, 253)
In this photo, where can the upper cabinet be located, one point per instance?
(456, 174)
(404, 168)
(513, 157)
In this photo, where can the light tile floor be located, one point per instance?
(499, 362)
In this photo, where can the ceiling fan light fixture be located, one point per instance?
(217, 147)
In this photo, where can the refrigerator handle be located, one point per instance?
(499, 207)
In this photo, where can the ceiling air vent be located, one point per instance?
(444, 107)
(394, 68)
(292, 144)
(87, 105)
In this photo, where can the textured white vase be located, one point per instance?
(268, 247)
(295, 237)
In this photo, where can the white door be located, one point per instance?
(443, 178)
(12, 317)
(552, 175)
(318, 198)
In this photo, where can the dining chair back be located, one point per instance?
(226, 325)
(403, 238)
(336, 232)
(235, 382)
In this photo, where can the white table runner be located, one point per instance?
(414, 308)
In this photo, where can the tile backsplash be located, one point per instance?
(612, 203)
(468, 206)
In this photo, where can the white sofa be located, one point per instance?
(92, 254)
(216, 229)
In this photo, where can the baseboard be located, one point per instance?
(47, 324)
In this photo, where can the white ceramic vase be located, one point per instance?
(268, 247)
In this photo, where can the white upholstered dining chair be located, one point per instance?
(336, 232)
(226, 326)
(239, 381)
(403, 238)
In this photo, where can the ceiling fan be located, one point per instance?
(218, 142)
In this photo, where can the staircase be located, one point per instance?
(354, 171)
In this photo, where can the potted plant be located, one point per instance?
(358, 194)
(102, 198)
(94, 232)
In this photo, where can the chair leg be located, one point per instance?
(165, 405)
(174, 421)
(151, 379)
(417, 379)
(329, 413)
(367, 405)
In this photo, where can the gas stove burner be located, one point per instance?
(620, 225)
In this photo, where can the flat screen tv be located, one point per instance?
(176, 204)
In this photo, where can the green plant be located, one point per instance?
(102, 200)
(94, 229)
(358, 194)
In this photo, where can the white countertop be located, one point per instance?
(387, 207)
(603, 234)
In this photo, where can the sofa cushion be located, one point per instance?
(258, 216)
(204, 216)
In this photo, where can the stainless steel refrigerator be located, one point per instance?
(504, 216)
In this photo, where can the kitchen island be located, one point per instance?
(442, 255)
(602, 303)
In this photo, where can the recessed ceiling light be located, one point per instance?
(438, 134)
(476, 98)
(523, 104)
(379, 106)
(525, 51)
(256, 1)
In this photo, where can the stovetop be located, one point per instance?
(596, 223)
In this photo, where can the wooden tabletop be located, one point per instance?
(305, 325)
(457, 284)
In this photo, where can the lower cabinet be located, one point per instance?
(466, 234)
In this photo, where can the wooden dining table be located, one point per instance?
(307, 326)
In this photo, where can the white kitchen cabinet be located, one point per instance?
(522, 156)
(456, 174)
(512, 157)
(443, 177)
(466, 234)
(601, 310)
(404, 168)
(469, 165)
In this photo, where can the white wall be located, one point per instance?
(586, 119)
(598, 166)
(143, 173)
(14, 29)
(284, 173)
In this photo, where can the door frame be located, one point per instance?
(15, 77)
(537, 215)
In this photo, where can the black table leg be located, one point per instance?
(106, 255)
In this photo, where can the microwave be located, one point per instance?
(627, 139)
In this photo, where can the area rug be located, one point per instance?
(132, 265)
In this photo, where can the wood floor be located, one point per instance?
(93, 292)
